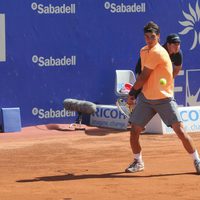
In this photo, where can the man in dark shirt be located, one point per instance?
(172, 45)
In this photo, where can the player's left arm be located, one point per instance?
(138, 68)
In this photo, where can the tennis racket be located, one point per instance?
(121, 103)
(123, 107)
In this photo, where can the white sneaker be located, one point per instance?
(197, 166)
(136, 166)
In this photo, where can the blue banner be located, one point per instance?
(53, 50)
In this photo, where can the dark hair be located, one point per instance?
(151, 27)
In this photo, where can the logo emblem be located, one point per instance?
(192, 23)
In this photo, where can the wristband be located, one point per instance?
(134, 92)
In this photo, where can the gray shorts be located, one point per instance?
(145, 110)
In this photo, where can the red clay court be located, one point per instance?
(51, 163)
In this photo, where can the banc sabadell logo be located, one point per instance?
(51, 61)
(125, 8)
(192, 23)
(53, 9)
(41, 113)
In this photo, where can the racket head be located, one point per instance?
(123, 107)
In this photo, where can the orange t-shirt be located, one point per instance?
(159, 61)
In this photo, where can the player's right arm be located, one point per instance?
(141, 79)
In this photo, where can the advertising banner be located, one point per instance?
(53, 50)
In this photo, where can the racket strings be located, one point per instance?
(124, 107)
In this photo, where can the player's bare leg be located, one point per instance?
(134, 138)
(184, 137)
(188, 144)
(137, 164)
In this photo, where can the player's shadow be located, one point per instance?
(120, 175)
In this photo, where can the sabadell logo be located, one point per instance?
(50, 61)
(125, 8)
(46, 114)
(51, 9)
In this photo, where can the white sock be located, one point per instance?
(138, 157)
(195, 155)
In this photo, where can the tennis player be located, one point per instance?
(155, 98)
(172, 45)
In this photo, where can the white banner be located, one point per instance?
(108, 116)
